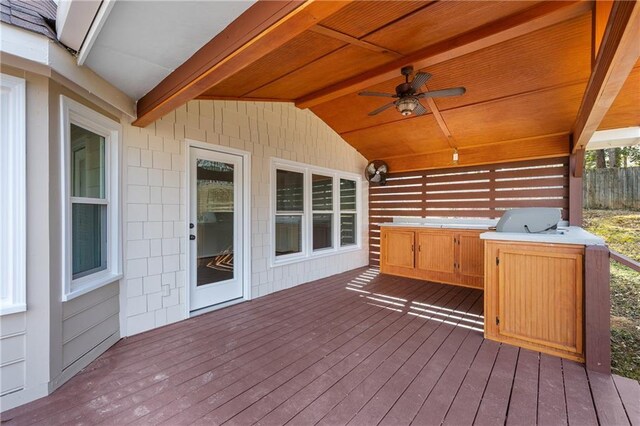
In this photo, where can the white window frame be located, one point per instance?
(13, 245)
(80, 115)
(348, 211)
(307, 252)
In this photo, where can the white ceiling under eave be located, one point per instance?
(142, 42)
(614, 138)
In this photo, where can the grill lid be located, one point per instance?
(531, 220)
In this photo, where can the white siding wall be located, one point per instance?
(155, 198)
(87, 322)
(24, 336)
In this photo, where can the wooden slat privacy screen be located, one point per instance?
(467, 192)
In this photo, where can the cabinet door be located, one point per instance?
(471, 257)
(399, 248)
(436, 251)
(540, 298)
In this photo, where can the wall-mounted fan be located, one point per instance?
(376, 172)
(408, 97)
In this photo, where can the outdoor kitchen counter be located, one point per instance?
(564, 235)
(479, 224)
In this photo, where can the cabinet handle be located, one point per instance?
(412, 247)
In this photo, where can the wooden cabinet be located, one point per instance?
(399, 249)
(533, 296)
(436, 251)
(440, 255)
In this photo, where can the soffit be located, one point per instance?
(142, 42)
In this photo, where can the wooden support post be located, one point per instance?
(576, 201)
(597, 307)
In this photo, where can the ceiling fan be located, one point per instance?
(408, 96)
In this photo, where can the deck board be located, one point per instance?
(551, 395)
(629, 391)
(495, 400)
(356, 348)
(523, 407)
(580, 408)
(607, 401)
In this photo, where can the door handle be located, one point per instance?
(192, 237)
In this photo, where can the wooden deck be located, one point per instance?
(356, 348)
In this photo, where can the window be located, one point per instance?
(316, 211)
(348, 212)
(322, 204)
(289, 212)
(12, 193)
(90, 163)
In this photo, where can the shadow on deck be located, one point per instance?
(357, 348)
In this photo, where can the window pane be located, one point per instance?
(321, 192)
(289, 193)
(88, 239)
(322, 231)
(347, 229)
(347, 194)
(87, 163)
(288, 234)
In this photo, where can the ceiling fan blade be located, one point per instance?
(419, 109)
(375, 178)
(371, 169)
(420, 79)
(383, 168)
(384, 95)
(382, 108)
(454, 91)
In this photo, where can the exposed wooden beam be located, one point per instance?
(474, 104)
(264, 27)
(532, 19)
(239, 98)
(619, 52)
(319, 29)
(600, 16)
(438, 116)
(501, 152)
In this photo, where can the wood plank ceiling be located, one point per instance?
(525, 65)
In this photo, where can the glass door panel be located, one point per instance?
(215, 226)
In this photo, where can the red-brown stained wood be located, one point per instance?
(495, 400)
(475, 191)
(523, 406)
(629, 391)
(606, 400)
(439, 400)
(576, 201)
(580, 409)
(597, 304)
(625, 260)
(354, 347)
(551, 402)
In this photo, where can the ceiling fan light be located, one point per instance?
(406, 105)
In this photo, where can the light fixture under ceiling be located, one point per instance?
(407, 94)
(406, 106)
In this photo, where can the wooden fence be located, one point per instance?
(617, 189)
(469, 192)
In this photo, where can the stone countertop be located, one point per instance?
(442, 223)
(564, 235)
